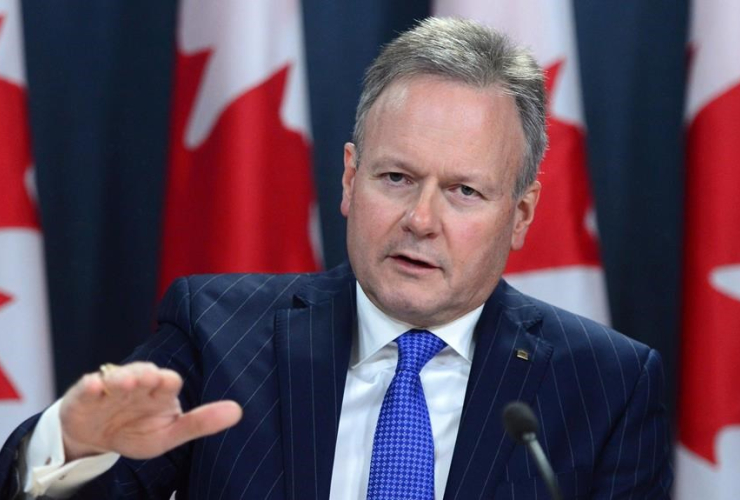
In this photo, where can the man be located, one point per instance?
(312, 376)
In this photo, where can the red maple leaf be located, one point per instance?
(7, 390)
(559, 236)
(240, 201)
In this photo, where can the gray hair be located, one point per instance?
(470, 53)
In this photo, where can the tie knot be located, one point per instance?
(416, 348)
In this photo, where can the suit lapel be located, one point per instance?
(312, 342)
(498, 376)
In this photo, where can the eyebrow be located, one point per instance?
(464, 179)
(386, 161)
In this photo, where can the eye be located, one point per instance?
(467, 191)
(395, 177)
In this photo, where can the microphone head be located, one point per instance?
(519, 420)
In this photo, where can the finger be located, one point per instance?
(139, 376)
(120, 381)
(88, 389)
(204, 421)
(145, 386)
(147, 374)
(170, 384)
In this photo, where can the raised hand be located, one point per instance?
(133, 410)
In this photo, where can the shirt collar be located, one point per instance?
(376, 329)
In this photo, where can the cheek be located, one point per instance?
(481, 243)
(369, 217)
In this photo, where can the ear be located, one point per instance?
(348, 178)
(525, 214)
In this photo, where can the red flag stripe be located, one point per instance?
(711, 318)
(25, 387)
(559, 236)
(16, 207)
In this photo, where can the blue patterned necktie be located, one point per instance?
(402, 464)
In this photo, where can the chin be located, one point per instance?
(410, 309)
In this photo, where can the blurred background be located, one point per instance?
(100, 85)
(102, 106)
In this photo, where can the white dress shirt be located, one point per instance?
(46, 472)
(372, 366)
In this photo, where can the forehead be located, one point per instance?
(436, 121)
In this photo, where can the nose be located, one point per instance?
(422, 217)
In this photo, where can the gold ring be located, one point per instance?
(105, 370)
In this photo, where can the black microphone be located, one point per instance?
(521, 425)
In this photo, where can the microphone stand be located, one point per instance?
(530, 441)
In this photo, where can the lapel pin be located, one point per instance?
(522, 354)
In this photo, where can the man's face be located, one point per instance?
(430, 213)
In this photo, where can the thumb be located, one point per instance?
(204, 421)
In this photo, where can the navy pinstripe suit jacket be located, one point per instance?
(280, 344)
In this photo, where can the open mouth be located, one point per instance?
(414, 262)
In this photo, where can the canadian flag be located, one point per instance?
(560, 262)
(26, 384)
(708, 452)
(239, 192)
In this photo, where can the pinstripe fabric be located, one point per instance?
(279, 345)
(313, 368)
(597, 399)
